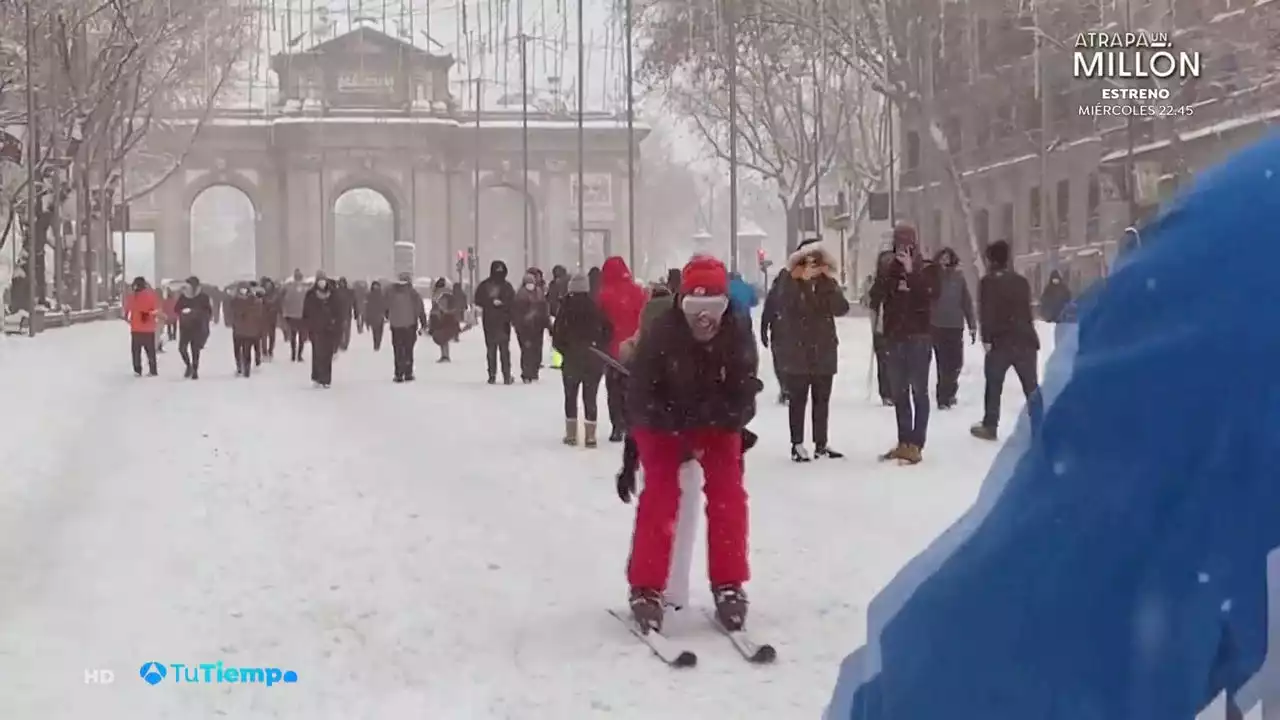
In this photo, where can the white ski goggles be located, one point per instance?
(713, 305)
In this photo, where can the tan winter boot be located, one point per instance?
(571, 431)
(589, 429)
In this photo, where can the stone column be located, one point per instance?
(430, 192)
(173, 234)
(302, 209)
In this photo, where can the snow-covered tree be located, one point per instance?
(791, 116)
(106, 73)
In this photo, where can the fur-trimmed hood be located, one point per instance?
(811, 247)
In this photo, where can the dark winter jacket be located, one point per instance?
(346, 300)
(405, 308)
(272, 304)
(375, 305)
(806, 312)
(248, 316)
(495, 297)
(195, 312)
(579, 327)
(953, 308)
(360, 291)
(557, 289)
(322, 312)
(659, 303)
(769, 326)
(1055, 298)
(444, 323)
(678, 383)
(1004, 310)
(905, 300)
(594, 281)
(530, 312)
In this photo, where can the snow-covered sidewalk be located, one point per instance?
(427, 550)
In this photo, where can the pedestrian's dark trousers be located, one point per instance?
(800, 388)
(139, 343)
(267, 346)
(909, 361)
(498, 344)
(999, 359)
(403, 340)
(323, 347)
(782, 378)
(615, 388)
(346, 334)
(530, 353)
(297, 338)
(244, 346)
(444, 349)
(948, 351)
(190, 343)
(375, 328)
(881, 347)
(589, 385)
(171, 330)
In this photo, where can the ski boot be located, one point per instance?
(646, 609)
(731, 606)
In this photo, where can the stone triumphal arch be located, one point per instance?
(366, 110)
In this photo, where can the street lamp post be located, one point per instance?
(31, 173)
(582, 100)
(733, 133)
(631, 142)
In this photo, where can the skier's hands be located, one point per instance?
(626, 485)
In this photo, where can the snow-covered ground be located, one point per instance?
(419, 551)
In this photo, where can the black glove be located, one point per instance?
(626, 485)
(748, 439)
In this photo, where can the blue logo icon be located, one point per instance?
(153, 672)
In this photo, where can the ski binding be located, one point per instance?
(660, 644)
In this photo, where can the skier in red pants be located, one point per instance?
(692, 387)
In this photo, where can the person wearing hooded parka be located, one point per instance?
(375, 313)
(495, 298)
(531, 318)
(322, 318)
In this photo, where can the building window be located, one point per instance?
(1031, 116)
(954, 133)
(1062, 207)
(1004, 121)
(1006, 222)
(913, 150)
(982, 129)
(982, 229)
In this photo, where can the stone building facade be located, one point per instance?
(365, 110)
(1052, 181)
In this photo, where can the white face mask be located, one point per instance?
(529, 286)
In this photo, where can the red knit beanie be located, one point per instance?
(704, 275)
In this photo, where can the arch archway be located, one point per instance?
(504, 204)
(223, 236)
(365, 222)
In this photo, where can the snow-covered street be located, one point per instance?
(428, 550)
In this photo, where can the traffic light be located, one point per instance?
(763, 260)
(462, 261)
(471, 258)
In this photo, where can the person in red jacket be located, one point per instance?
(143, 312)
(622, 301)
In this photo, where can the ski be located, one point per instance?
(750, 650)
(660, 644)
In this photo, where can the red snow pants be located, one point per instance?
(719, 452)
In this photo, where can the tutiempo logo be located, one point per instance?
(154, 673)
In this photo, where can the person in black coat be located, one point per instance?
(495, 298)
(347, 307)
(807, 301)
(375, 313)
(322, 314)
(1055, 298)
(195, 312)
(1008, 335)
(903, 295)
(557, 289)
(580, 327)
(771, 331)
